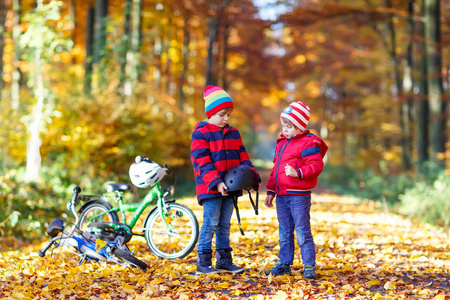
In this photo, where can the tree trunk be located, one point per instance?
(398, 82)
(434, 82)
(186, 41)
(226, 34)
(87, 84)
(73, 23)
(422, 107)
(16, 74)
(33, 166)
(211, 73)
(125, 46)
(408, 84)
(166, 79)
(101, 13)
(2, 41)
(134, 45)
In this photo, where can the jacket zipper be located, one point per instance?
(223, 143)
(279, 159)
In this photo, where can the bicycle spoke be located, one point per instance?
(177, 242)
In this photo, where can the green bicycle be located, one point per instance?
(170, 229)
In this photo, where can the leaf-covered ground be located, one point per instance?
(362, 253)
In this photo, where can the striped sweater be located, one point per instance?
(214, 151)
(303, 152)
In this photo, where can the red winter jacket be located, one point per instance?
(214, 151)
(303, 152)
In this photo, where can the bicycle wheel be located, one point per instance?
(90, 213)
(176, 244)
(130, 259)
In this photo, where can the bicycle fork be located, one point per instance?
(165, 215)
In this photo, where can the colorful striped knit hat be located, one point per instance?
(298, 113)
(216, 99)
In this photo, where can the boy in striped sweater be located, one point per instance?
(297, 164)
(216, 147)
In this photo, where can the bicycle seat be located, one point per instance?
(112, 187)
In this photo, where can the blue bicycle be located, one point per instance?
(89, 243)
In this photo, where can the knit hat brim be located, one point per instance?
(216, 99)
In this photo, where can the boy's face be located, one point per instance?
(289, 130)
(220, 119)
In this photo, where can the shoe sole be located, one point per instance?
(290, 274)
(200, 273)
(234, 272)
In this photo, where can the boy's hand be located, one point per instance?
(222, 188)
(269, 201)
(290, 171)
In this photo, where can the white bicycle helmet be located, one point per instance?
(144, 173)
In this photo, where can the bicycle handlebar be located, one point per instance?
(76, 192)
(42, 252)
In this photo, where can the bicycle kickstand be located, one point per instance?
(82, 259)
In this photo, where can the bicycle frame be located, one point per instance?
(83, 242)
(138, 208)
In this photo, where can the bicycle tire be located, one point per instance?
(130, 259)
(172, 245)
(94, 208)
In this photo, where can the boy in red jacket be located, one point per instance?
(297, 164)
(216, 147)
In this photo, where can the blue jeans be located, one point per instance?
(293, 215)
(217, 214)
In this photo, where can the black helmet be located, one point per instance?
(241, 177)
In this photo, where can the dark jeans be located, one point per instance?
(216, 220)
(293, 215)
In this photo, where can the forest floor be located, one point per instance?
(363, 252)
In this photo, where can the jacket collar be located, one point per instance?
(212, 127)
(295, 137)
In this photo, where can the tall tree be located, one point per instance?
(88, 62)
(2, 40)
(101, 14)
(16, 74)
(213, 29)
(125, 46)
(423, 123)
(132, 46)
(432, 14)
(185, 53)
(42, 41)
(408, 83)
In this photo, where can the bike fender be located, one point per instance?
(93, 201)
(148, 216)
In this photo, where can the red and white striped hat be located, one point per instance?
(298, 113)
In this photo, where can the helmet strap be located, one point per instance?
(235, 202)
(255, 205)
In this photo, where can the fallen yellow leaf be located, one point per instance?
(389, 285)
(373, 282)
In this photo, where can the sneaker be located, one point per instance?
(205, 270)
(309, 272)
(279, 269)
